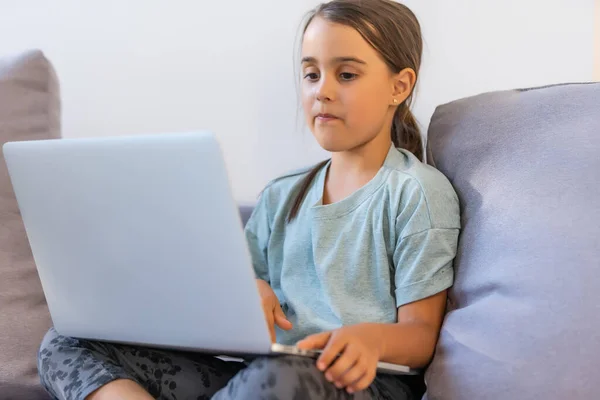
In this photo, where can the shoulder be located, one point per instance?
(421, 188)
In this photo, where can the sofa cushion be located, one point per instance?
(29, 109)
(246, 212)
(523, 319)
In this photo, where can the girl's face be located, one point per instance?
(347, 89)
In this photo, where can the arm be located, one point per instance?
(411, 341)
(418, 325)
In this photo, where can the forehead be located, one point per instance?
(325, 40)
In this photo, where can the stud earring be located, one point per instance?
(395, 101)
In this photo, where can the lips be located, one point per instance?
(326, 117)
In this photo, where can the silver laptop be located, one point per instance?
(139, 240)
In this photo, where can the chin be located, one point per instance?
(337, 142)
(331, 144)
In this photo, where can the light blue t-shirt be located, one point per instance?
(390, 243)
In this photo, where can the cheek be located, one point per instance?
(307, 104)
(364, 109)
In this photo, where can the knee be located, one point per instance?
(49, 343)
(48, 349)
(53, 341)
(48, 357)
(53, 347)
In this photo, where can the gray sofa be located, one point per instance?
(29, 109)
(522, 316)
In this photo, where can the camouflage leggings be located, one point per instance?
(72, 369)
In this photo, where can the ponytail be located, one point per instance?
(304, 189)
(405, 131)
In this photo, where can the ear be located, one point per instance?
(403, 83)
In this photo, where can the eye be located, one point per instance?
(348, 76)
(311, 76)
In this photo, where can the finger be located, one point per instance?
(342, 365)
(356, 372)
(271, 324)
(316, 341)
(283, 323)
(334, 347)
(364, 382)
(281, 320)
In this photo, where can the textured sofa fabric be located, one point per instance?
(29, 109)
(246, 212)
(523, 317)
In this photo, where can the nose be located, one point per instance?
(325, 90)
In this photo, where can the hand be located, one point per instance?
(272, 309)
(359, 350)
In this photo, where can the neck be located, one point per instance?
(352, 169)
(365, 159)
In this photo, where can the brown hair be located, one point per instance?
(394, 32)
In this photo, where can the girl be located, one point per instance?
(353, 256)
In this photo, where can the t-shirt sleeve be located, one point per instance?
(427, 230)
(258, 231)
(424, 264)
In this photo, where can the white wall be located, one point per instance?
(157, 65)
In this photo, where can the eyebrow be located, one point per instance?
(336, 60)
